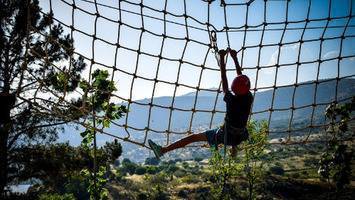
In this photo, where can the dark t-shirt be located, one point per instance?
(238, 108)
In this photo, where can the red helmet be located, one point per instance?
(241, 85)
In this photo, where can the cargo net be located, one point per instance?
(299, 56)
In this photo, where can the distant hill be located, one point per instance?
(159, 118)
(304, 95)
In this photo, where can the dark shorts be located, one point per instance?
(216, 137)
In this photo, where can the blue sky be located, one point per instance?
(126, 61)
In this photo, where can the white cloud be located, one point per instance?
(273, 58)
(334, 54)
(331, 54)
(294, 46)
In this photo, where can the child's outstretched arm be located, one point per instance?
(235, 59)
(222, 53)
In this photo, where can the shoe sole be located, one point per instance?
(151, 144)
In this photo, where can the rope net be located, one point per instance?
(164, 48)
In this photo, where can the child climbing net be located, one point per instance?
(238, 105)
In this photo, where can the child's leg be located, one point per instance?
(185, 141)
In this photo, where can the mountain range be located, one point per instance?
(302, 97)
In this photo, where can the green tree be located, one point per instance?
(58, 166)
(151, 161)
(254, 152)
(128, 166)
(140, 170)
(335, 162)
(37, 66)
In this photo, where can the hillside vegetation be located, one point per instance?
(319, 170)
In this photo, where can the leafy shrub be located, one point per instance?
(56, 197)
(171, 169)
(310, 162)
(140, 170)
(126, 160)
(78, 187)
(198, 159)
(189, 179)
(172, 162)
(251, 164)
(180, 173)
(128, 166)
(151, 161)
(152, 169)
(295, 175)
(159, 193)
(185, 165)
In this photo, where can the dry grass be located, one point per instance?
(135, 178)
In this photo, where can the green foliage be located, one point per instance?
(157, 186)
(151, 161)
(128, 167)
(310, 162)
(180, 173)
(171, 168)
(97, 183)
(96, 98)
(185, 165)
(36, 58)
(58, 166)
(223, 170)
(249, 165)
(76, 185)
(152, 169)
(254, 166)
(99, 93)
(140, 170)
(50, 164)
(159, 193)
(335, 163)
(112, 150)
(126, 160)
(56, 197)
(296, 175)
(198, 159)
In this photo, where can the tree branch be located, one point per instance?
(18, 134)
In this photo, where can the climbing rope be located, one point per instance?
(190, 22)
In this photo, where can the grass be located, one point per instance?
(275, 187)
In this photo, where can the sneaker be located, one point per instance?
(156, 149)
